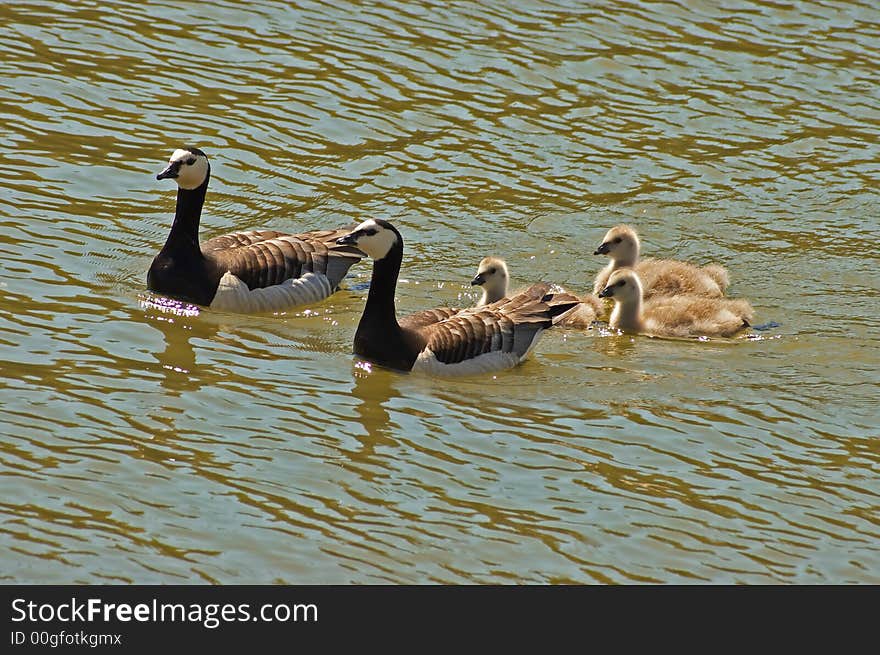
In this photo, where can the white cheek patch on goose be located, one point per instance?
(233, 295)
(376, 246)
(189, 176)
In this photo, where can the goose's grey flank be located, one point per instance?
(256, 271)
(480, 339)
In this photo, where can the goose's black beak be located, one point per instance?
(603, 249)
(607, 292)
(349, 239)
(172, 171)
(478, 280)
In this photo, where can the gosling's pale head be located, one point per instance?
(623, 286)
(493, 276)
(621, 243)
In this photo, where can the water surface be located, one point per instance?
(148, 446)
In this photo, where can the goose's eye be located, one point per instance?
(190, 161)
(618, 240)
(370, 231)
(622, 283)
(491, 271)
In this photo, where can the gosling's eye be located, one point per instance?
(622, 283)
(190, 161)
(491, 271)
(617, 240)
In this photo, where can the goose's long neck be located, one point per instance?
(185, 228)
(383, 285)
(627, 315)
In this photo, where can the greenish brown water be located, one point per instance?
(145, 446)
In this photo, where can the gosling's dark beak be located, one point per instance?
(172, 171)
(607, 292)
(349, 239)
(478, 280)
(603, 249)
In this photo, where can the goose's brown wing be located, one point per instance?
(239, 239)
(500, 327)
(263, 258)
(535, 292)
(427, 317)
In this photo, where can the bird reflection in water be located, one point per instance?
(374, 387)
(175, 320)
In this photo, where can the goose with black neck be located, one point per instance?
(476, 340)
(255, 271)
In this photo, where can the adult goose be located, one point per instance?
(259, 271)
(475, 340)
(660, 277)
(672, 316)
(494, 278)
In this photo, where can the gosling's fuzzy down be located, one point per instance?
(660, 277)
(672, 316)
(493, 276)
(259, 271)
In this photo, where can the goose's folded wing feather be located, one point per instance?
(262, 262)
(481, 330)
(239, 239)
(427, 317)
(469, 335)
(519, 298)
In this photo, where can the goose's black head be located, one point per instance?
(374, 237)
(188, 166)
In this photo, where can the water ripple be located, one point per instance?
(146, 441)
